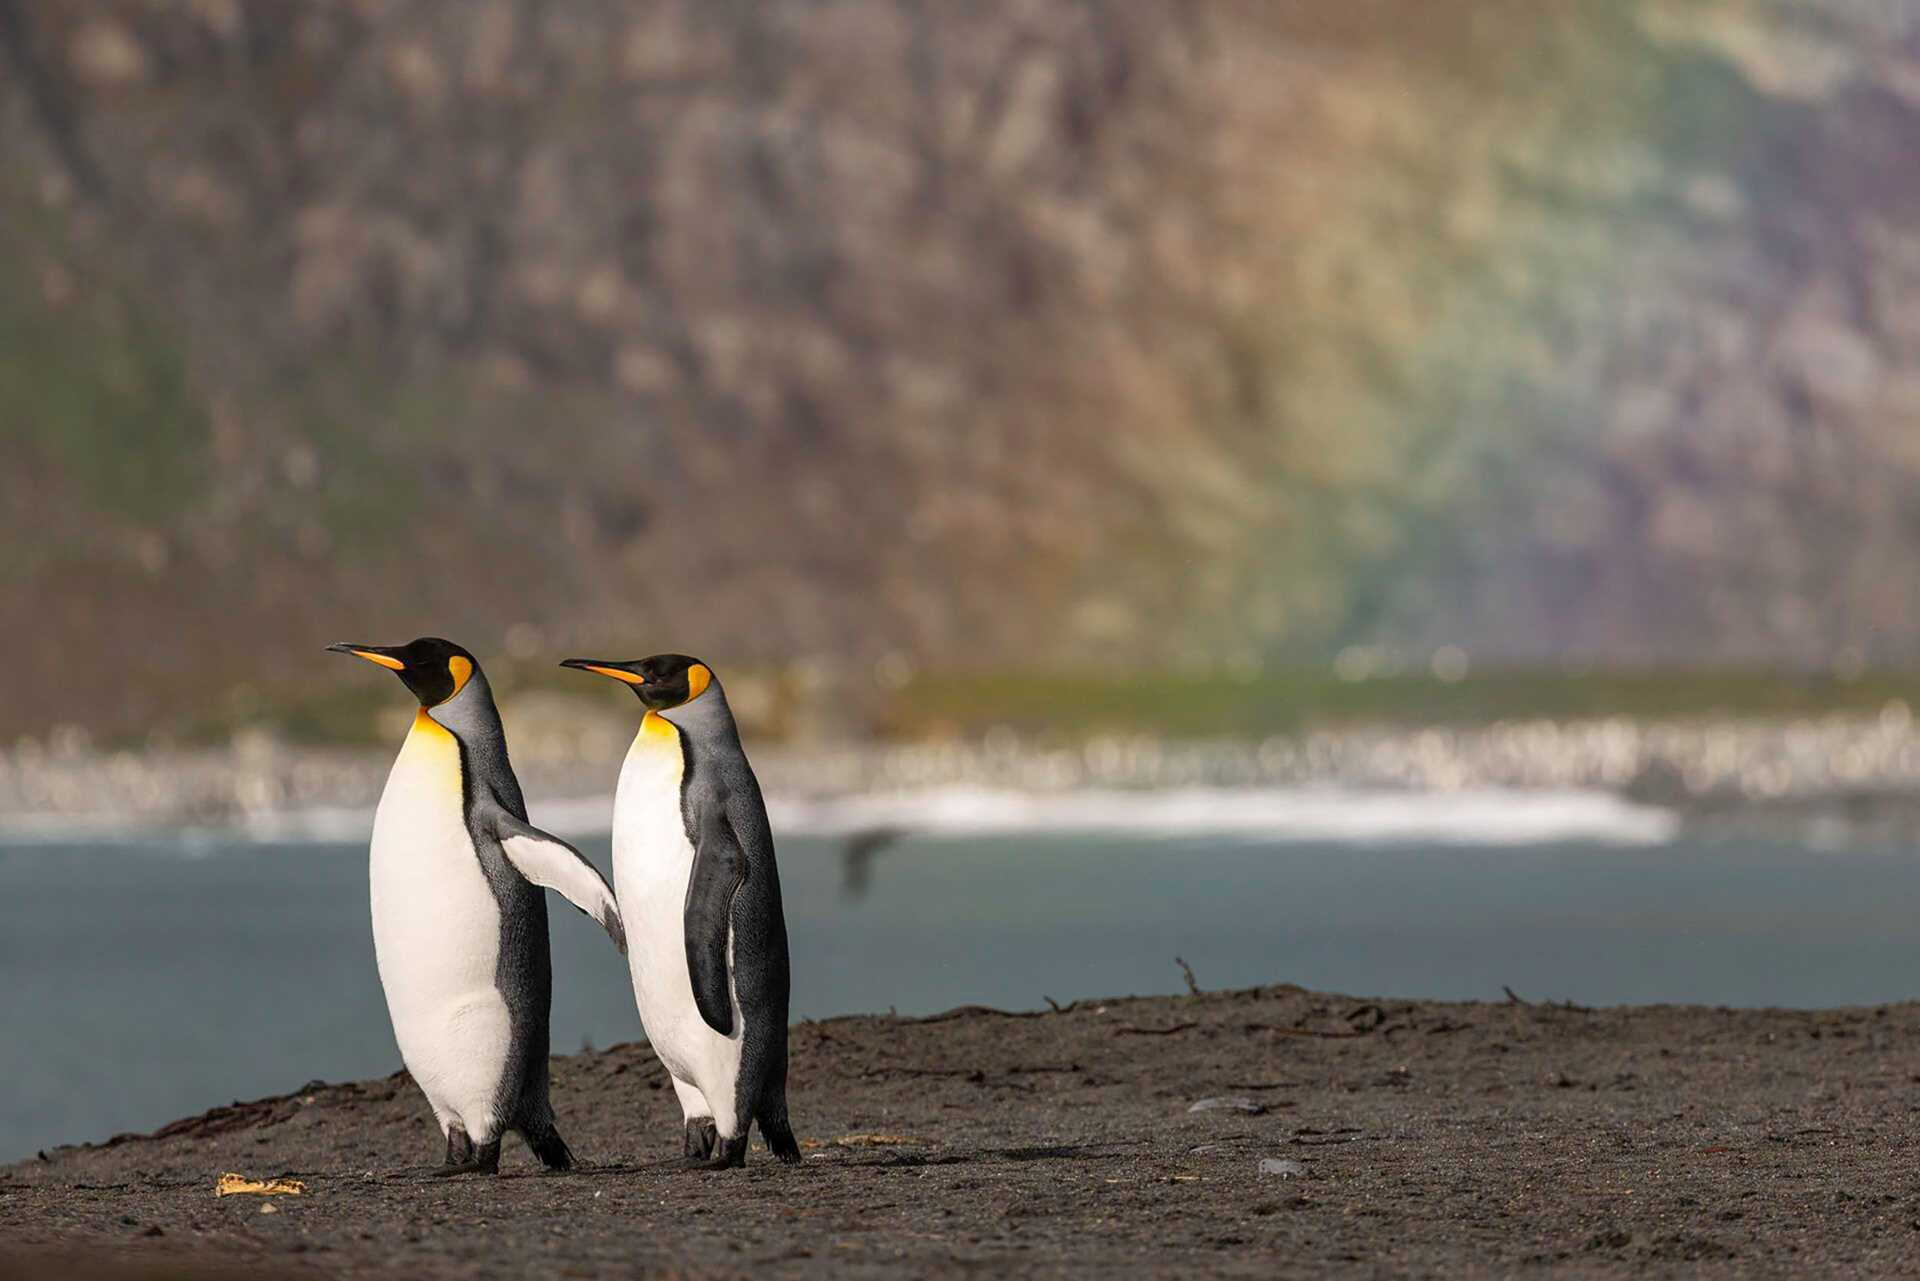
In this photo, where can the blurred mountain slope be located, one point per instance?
(1047, 334)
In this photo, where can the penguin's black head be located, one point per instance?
(434, 669)
(663, 681)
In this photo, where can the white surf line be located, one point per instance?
(1487, 816)
(1343, 815)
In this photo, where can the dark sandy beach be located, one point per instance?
(1419, 1138)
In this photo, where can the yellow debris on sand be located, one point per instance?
(238, 1184)
(861, 1141)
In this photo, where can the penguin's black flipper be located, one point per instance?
(550, 862)
(719, 868)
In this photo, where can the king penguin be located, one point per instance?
(459, 920)
(694, 873)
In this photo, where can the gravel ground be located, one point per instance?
(1348, 1137)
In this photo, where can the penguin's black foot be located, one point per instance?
(465, 1167)
(728, 1154)
(459, 1147)
(484, 1160)
(700, 1138)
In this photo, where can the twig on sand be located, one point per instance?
(1193, 987)
(986, 1011)
(1331, 1035)
(1513, 997)
(1341, 1034)
(1058, 1008)
(976, 1075)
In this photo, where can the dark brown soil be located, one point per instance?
(1463, 1139)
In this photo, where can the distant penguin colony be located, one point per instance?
(460, 925)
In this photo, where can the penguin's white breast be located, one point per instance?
(436, 924)
(652, 863)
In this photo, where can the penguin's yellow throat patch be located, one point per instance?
(433, 744)
(657, 734)
(425, 724)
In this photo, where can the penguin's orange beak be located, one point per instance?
(372, 653)
(604, 667)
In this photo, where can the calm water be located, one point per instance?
(139, 983)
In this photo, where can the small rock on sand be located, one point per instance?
(1229, 1103)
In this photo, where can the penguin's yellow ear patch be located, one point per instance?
(382, 659)
(699, 676)
(460, 669)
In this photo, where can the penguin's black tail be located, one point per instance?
(549, 1146)
(778, 1134)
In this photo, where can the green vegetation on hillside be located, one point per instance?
(1076, 707)
(95, 387)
